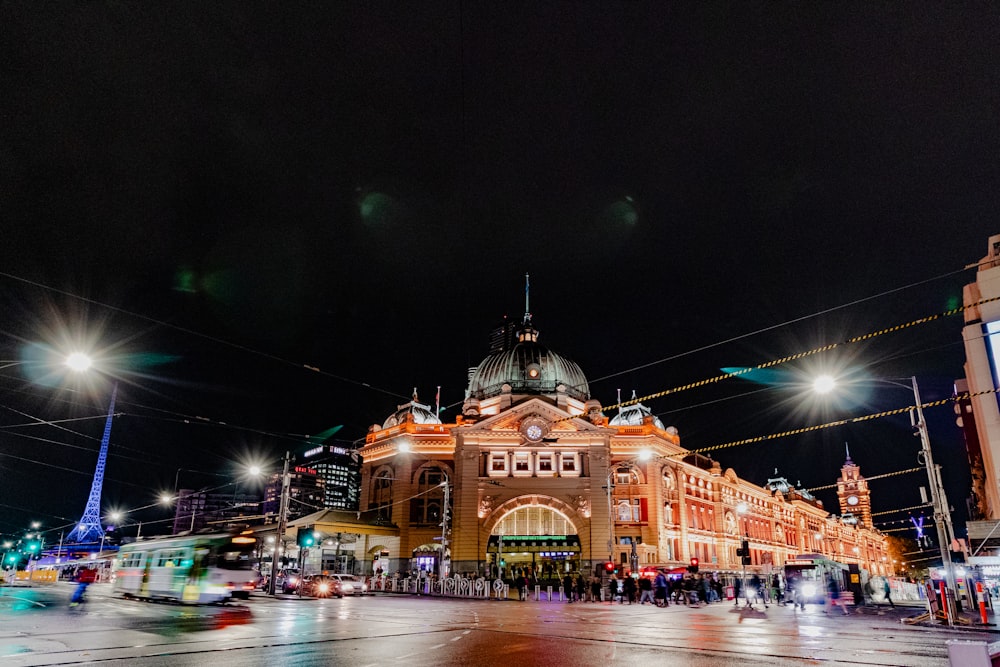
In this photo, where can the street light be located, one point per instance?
(939, 501)
(282, 520)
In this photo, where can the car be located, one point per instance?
(321, 586)
(287, 581)
(351, 585)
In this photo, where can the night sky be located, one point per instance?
(211, 195)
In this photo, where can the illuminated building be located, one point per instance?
(305, 493)
(339, 468)
(538, 476)
(979, 414)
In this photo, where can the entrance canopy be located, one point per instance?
(533, 543)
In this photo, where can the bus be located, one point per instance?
(191, 569)
(811, 572)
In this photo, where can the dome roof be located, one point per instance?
(529, 368)
(422, 414)
(634, 415)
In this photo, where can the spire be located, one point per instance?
(415, 399)
(89, 528)
(527, 332)
(527, 299)
(848, 454)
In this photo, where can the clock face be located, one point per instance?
(852, 500)
(533, 432)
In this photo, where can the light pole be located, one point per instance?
(939, 501)
(282, 520)
(942, 515)
(444, 529)
(611, 516)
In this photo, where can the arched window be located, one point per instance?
(626, 475)
(668, 480)
(426, 506)
(381, 493)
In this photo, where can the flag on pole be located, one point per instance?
(437, 400)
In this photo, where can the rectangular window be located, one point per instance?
(499, 462)
(545, 462)
(521, 462)
(569, 462)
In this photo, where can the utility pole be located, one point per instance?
(942, 514)
(444, 530)
(282, 520)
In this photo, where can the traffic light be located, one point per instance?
(609, 566)
(744, 553)
(33, 547)
(693, 567)
(304, 537)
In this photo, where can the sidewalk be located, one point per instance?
(908, 611)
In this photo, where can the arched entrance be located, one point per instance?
(426, 560)
(532, 538)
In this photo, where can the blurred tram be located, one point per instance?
(192, 569)
(812, 572)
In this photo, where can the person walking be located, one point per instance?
(646, 591)
(887, 592)
(568, 587)
(595, 589)
(833, 589)
(85, 578)
(630, 588)
(661, 584)
(581, 588)
(612, 588)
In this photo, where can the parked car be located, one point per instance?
(351, 585)
(321, 586)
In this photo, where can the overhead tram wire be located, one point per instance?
(795, 357)
(779, 325)
(873, 477)
(214, 339)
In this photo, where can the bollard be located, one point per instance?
(982, 601)
(944, 601)
(538, 592)
(550, 594)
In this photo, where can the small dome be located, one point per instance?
(529, 368)
(422, 414)
(635, 415)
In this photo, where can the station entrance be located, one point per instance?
(534, 540)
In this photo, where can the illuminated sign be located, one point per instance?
(313, 452)
(306, 471)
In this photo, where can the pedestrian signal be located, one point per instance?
(609, 566)
(693, 567)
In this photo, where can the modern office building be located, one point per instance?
(339, 469)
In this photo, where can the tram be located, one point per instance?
(192, 569)
(812, 572)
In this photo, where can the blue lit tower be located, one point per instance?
(89, 528)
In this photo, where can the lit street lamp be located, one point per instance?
(939, 501)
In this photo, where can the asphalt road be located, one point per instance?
(38, 628)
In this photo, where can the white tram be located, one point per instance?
(193, 569)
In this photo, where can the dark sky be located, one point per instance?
(214, 194)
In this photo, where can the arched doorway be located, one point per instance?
(533, 539)
(426, 560)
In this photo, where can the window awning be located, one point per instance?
(533, 543)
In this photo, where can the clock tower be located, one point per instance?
(853, 494)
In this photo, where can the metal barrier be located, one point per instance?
(462, 587)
